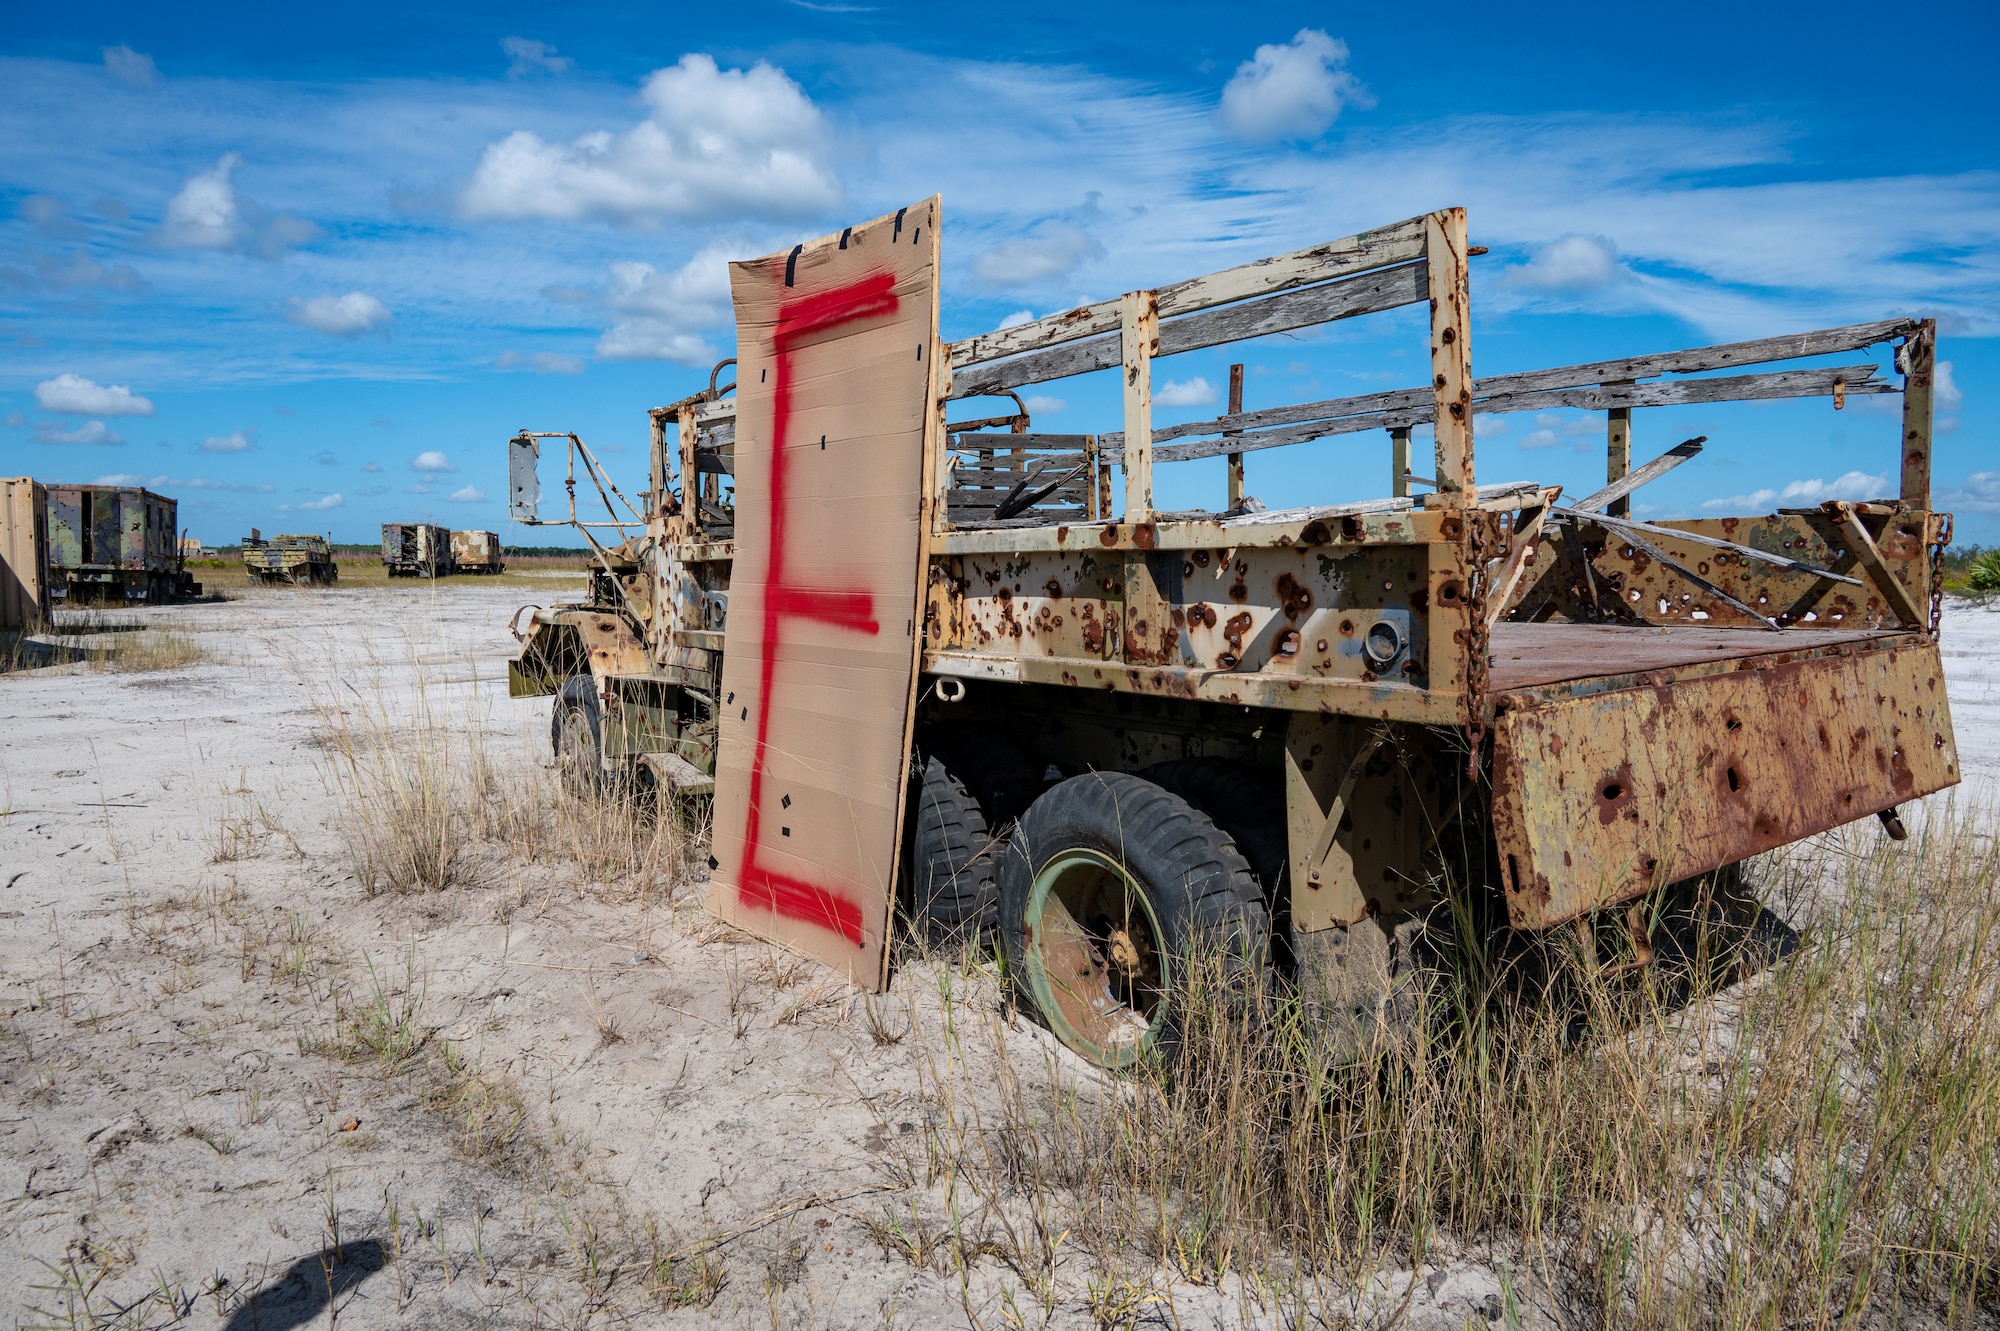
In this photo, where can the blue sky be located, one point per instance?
(308, 269)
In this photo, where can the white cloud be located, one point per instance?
(236, 441)
(1195, 392)
(203, 216)
(208, 215)
(1017, 318)
(1806, 493)
(715, 143)
(129, 66)
(371, 466)
(432, 461)
(73, 395)
(664, 313)
(1573, 263)
(541, 362)
(90, 432)
(17, 420)
(1979, 494)
(313, 505)
(468, 494)
(1040, 405)
(1491, 427)
(1293, 90)
(528, 56)
(338, 316)
(1054, 249)
(1945, 387)
(1537, 439)
(419, 489)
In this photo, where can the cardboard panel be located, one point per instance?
(835, 342)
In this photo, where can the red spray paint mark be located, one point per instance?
(763, 887)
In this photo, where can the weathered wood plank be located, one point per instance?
(1076, 442)
(1791, 346)
(1397, 243)
(1625, 484)
(1368, 293)
(1410, 407)
(1676, 392)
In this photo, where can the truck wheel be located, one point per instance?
(1250, 806)
(576, 733)
(1110, 888)
(999, 775)
(952, 859)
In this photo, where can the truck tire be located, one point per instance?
(1109, 888)
(952, 860)
(1250, 806)
(576, 734)
(999, 775)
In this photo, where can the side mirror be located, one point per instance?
(523, 487)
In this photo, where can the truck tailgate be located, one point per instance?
(1598, 799)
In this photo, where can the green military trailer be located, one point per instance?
(959, 671)
(111, 543)
(290, 560)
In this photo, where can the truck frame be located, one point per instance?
(1134, 733)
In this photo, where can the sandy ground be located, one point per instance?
(182, 939)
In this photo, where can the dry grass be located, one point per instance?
(1814, 1147)
(102, 643)
(428, 804)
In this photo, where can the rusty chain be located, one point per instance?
(1937, 571)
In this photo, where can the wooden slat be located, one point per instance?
(1379, 248)
(1624, 485)
(1792, 346)
(1368, 293)
(1074, 442)
(1409, 407)
(1675, 392)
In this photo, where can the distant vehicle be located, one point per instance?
(291, 560)
(416, 550)
(113, 543)
(476, 552)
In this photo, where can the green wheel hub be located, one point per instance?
(1095, 957)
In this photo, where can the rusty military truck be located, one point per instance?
(949, 664)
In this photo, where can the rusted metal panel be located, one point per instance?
(1599, 799)
(1337, 612)
(1356, 812)
(1624, 584)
